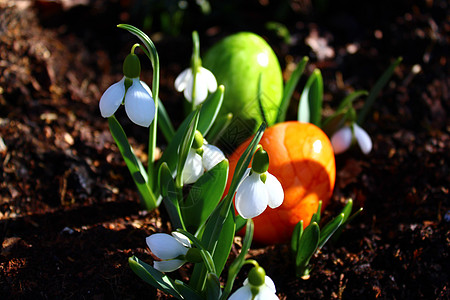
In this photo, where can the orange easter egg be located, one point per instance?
(302, 159)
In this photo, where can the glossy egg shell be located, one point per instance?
(302, 159)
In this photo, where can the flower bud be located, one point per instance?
(132, 66)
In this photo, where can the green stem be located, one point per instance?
(195, 64)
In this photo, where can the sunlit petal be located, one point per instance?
(242, 293)
(183, 79)
(201, 89)
(363, 139)
(193, 168)
(139, 104)
(251, 197)
(168, 265)
(270, 284)
(147, 88)
(112, 98)
(182, 239)
(211, 156)
(341, 140)
(165, 246)
(208, 77)
(275, 191)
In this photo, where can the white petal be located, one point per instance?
(363, 139)
(139, 105)
(251, 197)
(266, 294)
(112, 98)
(201, 89)
(146, 87)
(209, 79)
(269, 284)
(193, 168)
(243, 293)
(165, 246)
(182, 239)
(341, 140)
(168, 265)
(211, 156)
(183, 79)
(275, 191)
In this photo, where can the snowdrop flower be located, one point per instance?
(344, 137)
(139, 103)
(257, 286)
(258, 188)
(171, 249)
(204, 82)
(201, 158)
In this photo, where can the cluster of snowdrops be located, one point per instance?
(272, 187)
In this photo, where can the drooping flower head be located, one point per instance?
(258, 188)
(204, 82)
(196, 81)
(173, 250)
(347, 135)
(135, 94)
(201, 158)
(257, 286)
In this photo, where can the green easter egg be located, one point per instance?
(249, 69)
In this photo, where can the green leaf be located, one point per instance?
(329, 229)
(316, 216)
(289, 89)
(185, 146)
(170, 196)
(307, 247)
(376, 89)
(134, 165)
(347, 210)
(164, 123)
(219, 127)
(220, 248)
(348, 100)
(153, 277)
(208, 112)
(240, 223)
(260, 97)
(310, 106)
(210, 109)
(187, 292)
(239, 261)
(213, 291)
(296, 236)
(204, 196)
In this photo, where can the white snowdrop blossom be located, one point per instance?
(344, 137)
(253, 195)
(265, 292)
(170, 249)
(139, 103)
(204, 82)
(196, 165)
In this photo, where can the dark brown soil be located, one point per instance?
(69, 213)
